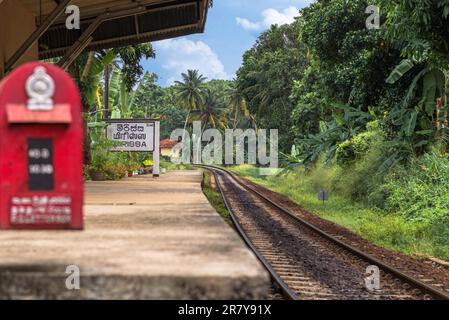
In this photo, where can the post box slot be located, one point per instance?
(40, 164)
(20, 114)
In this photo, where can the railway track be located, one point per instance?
(304, 261)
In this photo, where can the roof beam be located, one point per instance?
(132, 9)
(78, 47)
(75, 50)
(49, 20)
(89, 13)
(142, 35)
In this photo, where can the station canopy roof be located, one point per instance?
(123, 22)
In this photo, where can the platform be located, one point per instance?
(144, 238)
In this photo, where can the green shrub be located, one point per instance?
(393, 231)
(110, 165)
(115, 171)
(356, 148)
(359, 179)
(420, 191)
(321, 177)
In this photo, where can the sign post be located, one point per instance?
(323, 195)
(136, 135)
(156, 152)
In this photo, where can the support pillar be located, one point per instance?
(157, 150)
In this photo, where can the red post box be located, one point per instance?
(41, 137)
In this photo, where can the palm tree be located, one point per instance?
(264, 97)
(189, 92)
(212, 113)
(237, 104)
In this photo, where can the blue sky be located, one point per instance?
(232, 28)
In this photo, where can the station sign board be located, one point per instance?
(136, 135)
(132, 135)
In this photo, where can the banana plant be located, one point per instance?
(418, 123)
(332, 133)
(92, 74)
(433, 86)
(121, 101)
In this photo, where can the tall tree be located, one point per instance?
(267, 76)
(211, 114)
(190, 92)
(420, 29)
(237, 104)
(212, 111)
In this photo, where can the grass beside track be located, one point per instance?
(214, 197)
(169, 166)
(379, 227)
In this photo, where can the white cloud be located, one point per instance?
(269, 17)
(247, 25)
(272, 16)
(179, 55)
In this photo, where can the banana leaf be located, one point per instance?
(401, 69)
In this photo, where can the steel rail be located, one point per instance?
(286, 291)
(435, 292)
